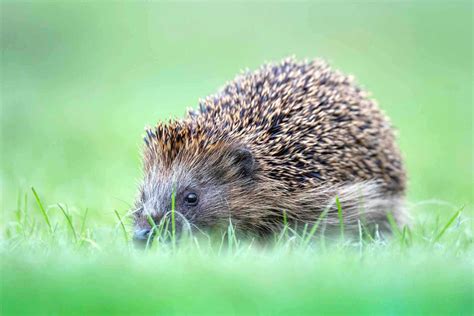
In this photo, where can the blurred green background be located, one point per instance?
(79, 81)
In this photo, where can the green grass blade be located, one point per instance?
(340, 216)
(304, 232)
(173, 222)
(229, 237)
(284, 232)
(25, 207)
(125, 234)
(366, 234)
(393, 225)
(43, 211)
(83, 224)
(448, 224)
(69, 221)
(18, 211)
(154, 229)
(150, 220)
(315, 226)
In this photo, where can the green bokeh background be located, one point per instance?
(79, 81)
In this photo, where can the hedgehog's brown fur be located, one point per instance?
(287, 138)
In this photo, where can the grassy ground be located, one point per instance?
(63, 265)
(78, 83)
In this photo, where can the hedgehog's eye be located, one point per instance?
(191, 199)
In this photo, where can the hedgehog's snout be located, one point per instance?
(141, 237)
(141, 234)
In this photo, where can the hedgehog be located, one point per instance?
(290, 142)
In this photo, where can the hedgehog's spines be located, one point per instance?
(307, 126)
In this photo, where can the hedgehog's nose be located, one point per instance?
(140, 237)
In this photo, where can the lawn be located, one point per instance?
(79, 81)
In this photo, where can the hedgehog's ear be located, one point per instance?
(243, 160)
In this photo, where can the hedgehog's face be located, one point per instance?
(197, 185)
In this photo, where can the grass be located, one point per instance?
(82, 80)
(77, 268)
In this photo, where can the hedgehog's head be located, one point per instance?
(199, 177)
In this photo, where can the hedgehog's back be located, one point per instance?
(307, 126)
(288, 137)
